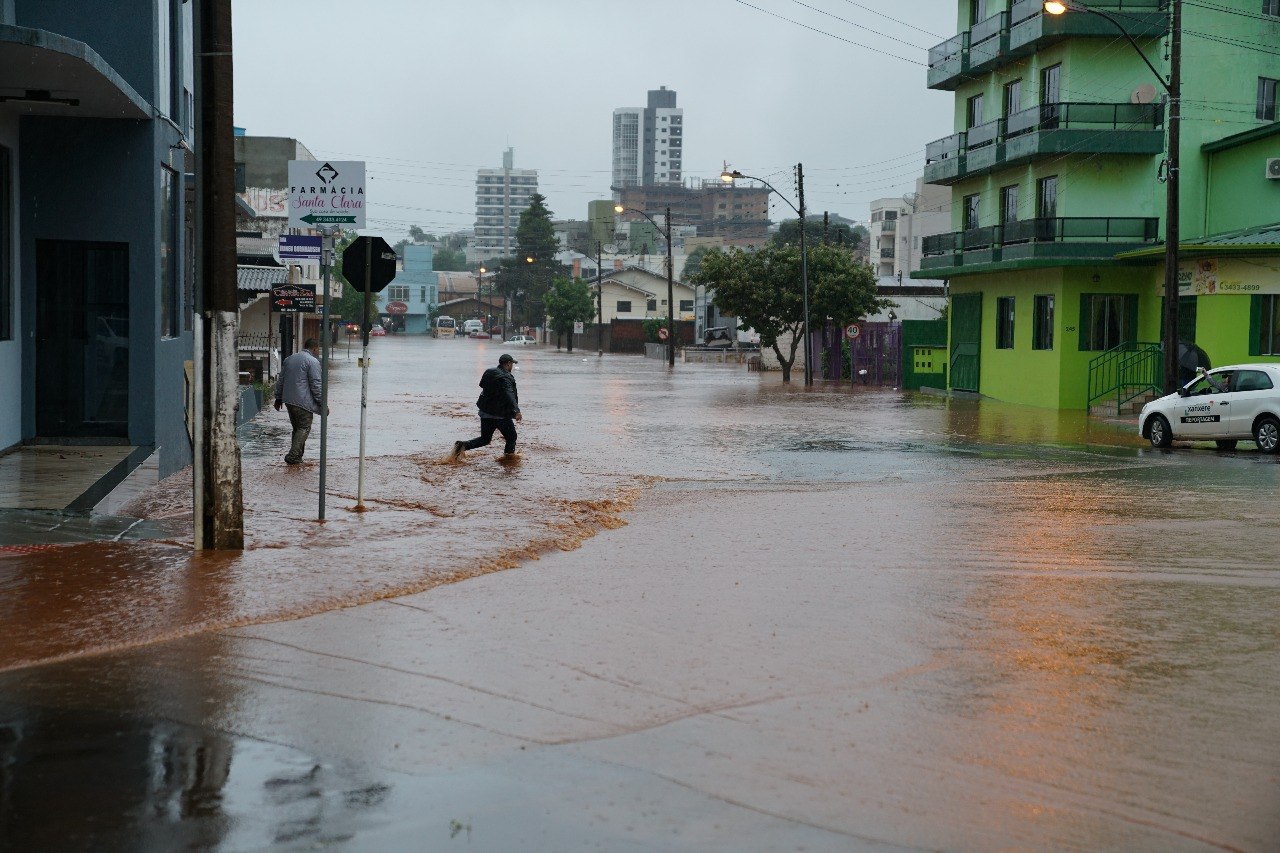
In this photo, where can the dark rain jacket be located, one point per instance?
(498, 398)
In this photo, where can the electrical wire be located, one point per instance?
(829, 35)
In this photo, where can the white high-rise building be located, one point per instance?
(501, 196)
(648, 142)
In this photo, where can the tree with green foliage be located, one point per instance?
(694, 262)
(839, 235)
(569, 301)
(526, 279)
(449, 260)
(763, 290)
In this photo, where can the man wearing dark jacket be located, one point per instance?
(499, 408)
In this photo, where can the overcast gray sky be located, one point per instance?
(428, 91)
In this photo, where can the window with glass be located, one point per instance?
(1009, 204)
(170, 275)
(971, 210)
(1047, 197)
(1004, 322)
(686, 304)
(1012, 96)
(1267, 310)
(624, 306)
(398, 293)
(1266, 99)
(1271, 7)
(977, 11)
(1051, 84)
(1042, 322)
(1107, 320)
(973, 111)
(651, 305)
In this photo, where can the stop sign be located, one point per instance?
(369, 256)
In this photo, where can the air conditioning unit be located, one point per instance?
(1273, 168)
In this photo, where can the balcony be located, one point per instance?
(988, 43)
(1032, 29)
(948, 63)
(1081, 128)
(1045, 130)
(1026, 28)
(944, 160)
(888, 226)
(1035, 242)
(887, 253)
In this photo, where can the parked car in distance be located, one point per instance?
(521, 341)
(377, 331)
(469, 326)
(478, 333)
(1240, 401)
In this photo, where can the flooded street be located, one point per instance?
(741, 615)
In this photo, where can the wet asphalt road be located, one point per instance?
(826, 620)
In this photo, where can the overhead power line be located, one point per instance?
(829, 35)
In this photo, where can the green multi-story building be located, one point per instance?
(1056, 257)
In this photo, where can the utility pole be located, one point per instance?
(599, 302)
(671, 308)
(219, 520)
(804, 279)
(1171, 224)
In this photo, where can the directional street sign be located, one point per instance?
(294, 297)
(326, 193)
(371, 255)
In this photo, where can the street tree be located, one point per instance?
(526, 278)
(694, 262)
(569, 301)
(763, 290)
(840, 234)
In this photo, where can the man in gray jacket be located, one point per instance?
(299, 388)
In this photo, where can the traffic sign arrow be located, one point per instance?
(341, 219)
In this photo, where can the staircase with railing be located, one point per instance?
(1124, 377)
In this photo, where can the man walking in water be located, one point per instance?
(499, 408)
(299, 388)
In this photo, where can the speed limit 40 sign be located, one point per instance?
(852, 331)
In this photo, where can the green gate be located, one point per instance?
(966, 340)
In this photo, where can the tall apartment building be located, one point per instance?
(739, 214)
(648, 142)
(899, 225)
(1055, 254)
(501, 196)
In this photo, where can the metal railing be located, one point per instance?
(1024, 10)
(988, 29)
(887, 252)
(949, 49)
(255, 341)
(889, 225)
(1066, 229)
(985, 134)
(1127, 370)
(1084, 115)
(945, 148)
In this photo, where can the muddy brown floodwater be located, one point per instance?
(746, 616)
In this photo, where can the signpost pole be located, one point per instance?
(326, 261)
(364, 367)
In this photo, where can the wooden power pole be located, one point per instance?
(220, 496)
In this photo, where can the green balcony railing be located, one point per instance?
(1066, 229)
(1092, 116)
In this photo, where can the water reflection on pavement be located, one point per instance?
(839, 618)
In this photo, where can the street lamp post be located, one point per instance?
(599, 301)
(671, 317)
(1173, 88)
(729, 177)
(488, 312)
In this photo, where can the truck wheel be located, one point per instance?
(1159, 433)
